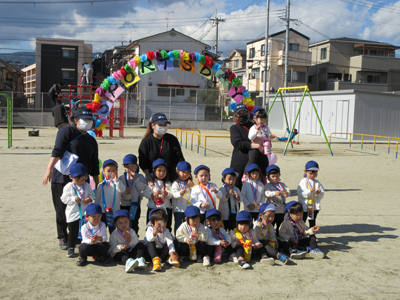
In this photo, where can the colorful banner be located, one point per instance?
(204, 71)
(130, 79)
(187, 66)
(147, 67)
(165, 65)
(235, 94)
(105, 108)
(221, 76)
(114, 92)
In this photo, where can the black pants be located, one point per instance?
(202, 218)
(59, 206)
(268, 249)
(239, 251)
(184, 250)
(97, 250)
(254, 215)
(104, 220)
(159, 252)
(311, 223)
(259, 158)
(169, 221)
(135, 223)
(73, 231)
(303, 243)
(210, 251)
(124, 255)
(278, 221)
(179, 218)
(231, 223)
(53, 98)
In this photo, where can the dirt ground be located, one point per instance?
(359, 230)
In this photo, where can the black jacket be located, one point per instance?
(59, 114)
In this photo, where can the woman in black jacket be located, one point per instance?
(241, 144)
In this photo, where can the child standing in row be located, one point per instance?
(135, 184)
(276, 193)
(310, 192)
(253, 190)
(204, 194)
(125, 245)
(76, 195)
(109, 192)
(181, 190)
(229, 204)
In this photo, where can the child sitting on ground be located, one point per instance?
(296, 238)
(76, 195)
(218, 238)
(192, 237)
(243, 239)
(109, 192)
(310, 193)
(204, 194)
(229, 204)
(265, 232)
(159, 241)
(125, 245)
(135, 184)
(253, 190)
(276, 193)
(94, 237)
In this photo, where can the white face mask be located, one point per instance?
(161, 130)
(85, 125)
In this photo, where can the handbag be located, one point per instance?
(68, 159)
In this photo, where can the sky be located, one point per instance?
(109, 23)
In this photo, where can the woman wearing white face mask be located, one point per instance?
(73, 138)
(157, 143)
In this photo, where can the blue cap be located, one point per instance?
(240, 107)
(159, 118)
(155, 209)
(110, 162)
(312, 166)
(229, 171)
(130, 159)
(77, 170)
(159, 161)
(192, 211)
(93, 208)
(198, 168)
(273, 167)
(252, 167)
(121, 213)
(244, 215)
(255, 109)
(83, 113)
(289, 205)
(212, 212)
(184, 166)
(266, 207)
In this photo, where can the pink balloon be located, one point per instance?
(92, 183)
(104, 121)
(272, 159)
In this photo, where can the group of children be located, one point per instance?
(207, 220)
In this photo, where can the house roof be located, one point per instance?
(10, 66)
(355, 41)
(278, 33)
(240, 51)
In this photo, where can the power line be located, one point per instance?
(63, 2)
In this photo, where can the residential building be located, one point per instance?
(11, 77)
(346, 63)
(30, 84)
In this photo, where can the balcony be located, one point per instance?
(29, 78)
(373, 63)
(296, 58)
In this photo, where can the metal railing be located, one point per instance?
(198, 137)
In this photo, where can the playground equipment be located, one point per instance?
(306, 90)
(9, 119)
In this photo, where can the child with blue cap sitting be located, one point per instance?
(192, 237)
(77, 194)
(296, 238)
(94, 236)
(125, 245)
(253, 190)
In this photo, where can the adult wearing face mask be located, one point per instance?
(241, 144)
(157, 143)
(75, 139)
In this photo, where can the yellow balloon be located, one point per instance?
(138, 61)
(97, 98)
(101, 127)
(186, 56)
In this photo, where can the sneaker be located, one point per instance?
(156, 264)
(130, 265)
(71, 252)
(233, 257)
(242, 263)
(141, 263)
(316, 253)
(199, 259)
(63, 244)
(206, 261)
(283, 258)
(103, 259)
(297, 254)
(268, 260)
(218, 254)
(174, 263)
(81, 262)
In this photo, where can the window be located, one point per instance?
(294, 47)
(357, 52)
(236, 63)
(372, 52)
(193, 93)
(68, 53)
(323, 53)
(301, 76)
(68, 74)
(252, 52)
(165, 92)
(263, 50)
(262, 76)
(373, 78)
(180, 92)
(381, 53)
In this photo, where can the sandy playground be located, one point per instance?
(359, 230)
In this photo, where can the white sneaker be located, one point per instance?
(244, 264)
(297, 254)
(268, 261)
(316, 253)
(233, 257)
(206, 261)
(141, 263)
(130, 265)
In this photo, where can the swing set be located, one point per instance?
(306, 90)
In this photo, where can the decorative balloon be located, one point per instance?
(272, 159)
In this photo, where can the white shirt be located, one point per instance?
(199, 196)
(180, 203)
(248, 194)
(263, 134)
(184, 233)
(303, 193)
(152, 187)
(161, 239)
(117, 240)
(68, 198)
(109, 194)
(213, 238)
(137, 186)
(88, 230)
(223, 206)
(270, 190)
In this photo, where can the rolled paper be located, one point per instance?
(197, 57)
(128, 69)
(102, 127)
(171, 56)
(177, 55)
(97, 123)
(158, 55)
(138, 61)
(112, 80)
(117, 75)
(250, 108)
(209, 62)
(236, 82)
(192, 56)
(246, 100)
(202, 59)
(143, 58)
(123, 72)
(164, 54)
(100, 91)
(232, 106)
(246, 93)
(186, 56)
(228, 73)
(93, 106)
(150, 55)
(180, 54)
(241, 88)
(216, 67)
(97, 98)
(104, 121)
(106, 84)
(130, 63)
(134, 63)
(232, 76)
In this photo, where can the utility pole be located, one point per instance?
(266, 70)
(287, 43)
(216, 20)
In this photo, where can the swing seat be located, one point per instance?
(294, 143)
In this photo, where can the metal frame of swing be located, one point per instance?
(306, 90)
